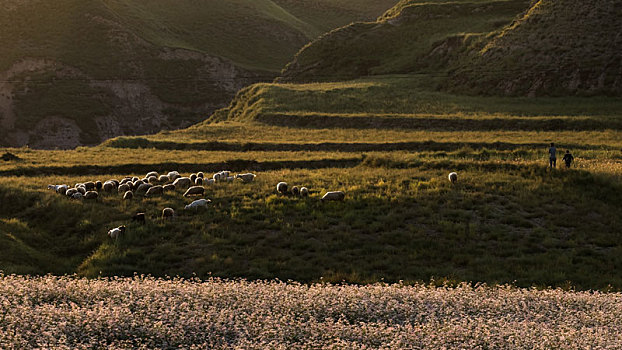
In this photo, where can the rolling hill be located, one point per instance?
(506, 47)
(78, 72)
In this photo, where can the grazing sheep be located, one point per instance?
(200, 174)
(98, 185)
(155, 190)
(126, 180)
(152, 173)
(115, 182)
(281, 187)
(90, 185)
(304, 192)
(109, 186)
(77, 195)
(230, 178)
(246, 178)
(169, 187)
(216, 177)
(123, 188)
(334, 196)
(163, 178)
(62, 189)
(197, 204)
(198, 181)
(225, 173)
(182, 182)
(194, 191)
(173, 175)
(91, 195)
(453, 177)
(128, 195)
(296, 191)
(209, 181)
(134, 179)
(193, 177)
(116, 232)
(143, 188)
(152, 179)
(81, 189)
(168, 213)
(139, 217)
(137, 183)
(71, 191)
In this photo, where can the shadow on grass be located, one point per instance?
(139, 142)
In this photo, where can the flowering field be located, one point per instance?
(70, 312)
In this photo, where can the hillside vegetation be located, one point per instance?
(78, 72)
(506, 47)
(389, 149)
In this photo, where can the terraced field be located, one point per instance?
(508, 219)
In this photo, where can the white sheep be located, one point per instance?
(182, 182)
(91, 195)
(230, 178)
(173, 175)
(281, 187)
(304, 192)
(168, 213)
(195, 191)
(123, 188)
(128, 195)
(154, 190)
(453, 177)
(70, 192)
(108, 186)
(193, 177)
(334, 196)
(198, 181)
(116, 232)
(143, 188)
(152, 173)
(296, 191)
(197, 204)
(164, 178)
(169, 187)
(77, 195)
(246, 178)
(81, 189)
(200, 174)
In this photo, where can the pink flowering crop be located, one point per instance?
(146, 313)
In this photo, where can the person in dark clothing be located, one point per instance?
(568, 158)
(552, 156)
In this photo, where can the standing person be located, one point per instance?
(552, 156)
(568, 158)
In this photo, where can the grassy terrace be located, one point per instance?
(509, 219)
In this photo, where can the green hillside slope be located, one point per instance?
(389, 143)
(401, 40)
(511, 47)
(77, 72)
(562, 47)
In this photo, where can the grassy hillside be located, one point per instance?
(563, 47)
(508, 218)
(508, 47)
(401, 40)
(77, 72)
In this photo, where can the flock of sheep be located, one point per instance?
(154, 184)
